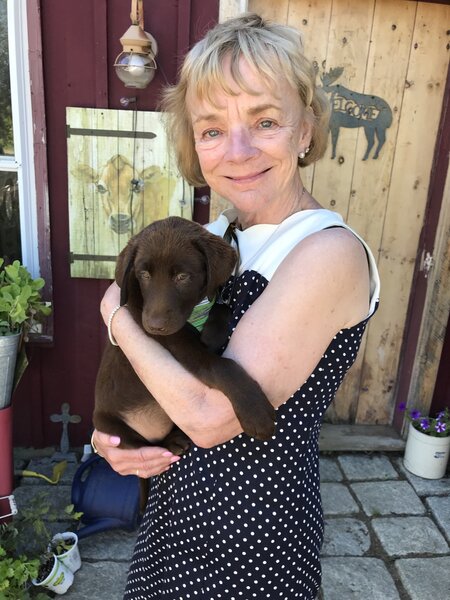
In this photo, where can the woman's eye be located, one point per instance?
(266, 124)
(211, 133)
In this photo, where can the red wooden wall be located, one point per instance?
(80, 43)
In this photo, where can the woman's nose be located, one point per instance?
(240, 145)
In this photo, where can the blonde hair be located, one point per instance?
(271, 49)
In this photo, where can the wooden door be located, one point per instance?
(383, 64)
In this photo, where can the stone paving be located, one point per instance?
(387, 533)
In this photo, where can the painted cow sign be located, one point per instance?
(352, 109)
(126, 194)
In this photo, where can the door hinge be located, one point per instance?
(427, 263)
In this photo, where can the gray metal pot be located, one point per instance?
(9, 345)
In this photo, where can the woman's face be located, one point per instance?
(248, 144)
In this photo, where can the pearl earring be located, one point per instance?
(303, 153)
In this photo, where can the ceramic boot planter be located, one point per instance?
(58, 580)
(71, 558)
(425, 455)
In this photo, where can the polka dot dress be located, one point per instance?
(243, 520)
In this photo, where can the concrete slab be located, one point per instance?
(103, 580)
(425, 578)
(337, 500)
(116, 544)
(57, 497)
(357, 579)
(361, 467)
(425, 487)
(401, 536)
(440, 509)
(345, 537)
(329, 470)
(388, 497)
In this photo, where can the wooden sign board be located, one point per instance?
(121, 177)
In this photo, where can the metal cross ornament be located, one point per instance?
(65, 418)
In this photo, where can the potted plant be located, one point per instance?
(21, 307)
(53, 574)
(65, 546)
(428, 443)
(54, 558)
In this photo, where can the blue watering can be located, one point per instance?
(106, 499)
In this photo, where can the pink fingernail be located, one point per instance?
(175, 458)
(114, 440)
(168, 454)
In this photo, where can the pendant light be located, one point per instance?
(136, 66)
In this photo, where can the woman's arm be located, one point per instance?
(320, 288)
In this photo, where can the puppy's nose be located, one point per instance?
(156, 325)
(158, 329)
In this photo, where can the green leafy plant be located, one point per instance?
(21, 304)
(34, 526)
(16, 570)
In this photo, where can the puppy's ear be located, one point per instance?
(220, 259)
(124, 270)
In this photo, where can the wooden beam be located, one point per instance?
(362, 438)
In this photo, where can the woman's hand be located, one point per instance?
(143, 462)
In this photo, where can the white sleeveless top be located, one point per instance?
(263, 247)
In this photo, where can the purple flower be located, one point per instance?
(440, 427)
(441, 415)
(425, 424)
(415, 414)
(402, 406)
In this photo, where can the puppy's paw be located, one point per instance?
(177, 442)
(256, 414)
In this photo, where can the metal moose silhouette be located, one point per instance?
(351, 109)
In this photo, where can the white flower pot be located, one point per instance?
(71, 559)
(59, 580)
(426, 456)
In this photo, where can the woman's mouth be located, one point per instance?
(247, 178)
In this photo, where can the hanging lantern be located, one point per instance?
(136, 66)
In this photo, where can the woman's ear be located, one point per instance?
(306, 130)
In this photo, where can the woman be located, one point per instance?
(237, 517)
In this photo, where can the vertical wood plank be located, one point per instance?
(275, 11)
(391, 34)
(231, 8)
(348, 47)
(313, 20)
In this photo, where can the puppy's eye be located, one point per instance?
(181, 277)
(145, 275)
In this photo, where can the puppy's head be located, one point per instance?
(168, 268)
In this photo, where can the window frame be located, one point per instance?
(30, 147)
